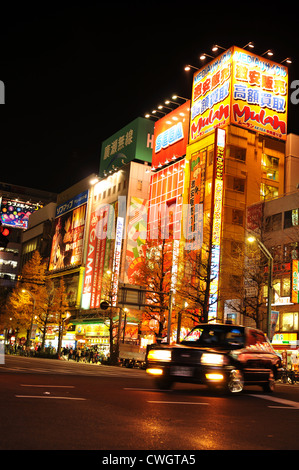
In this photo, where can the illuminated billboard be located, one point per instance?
(211, 95)
(240, 88)
(16, 213)
(136, 238)
(259, 94)
(67, 245)
(99, 254)
(171, 136)
(216, 221)
(134, 141)
(295, 281)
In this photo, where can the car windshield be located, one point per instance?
(219, 336)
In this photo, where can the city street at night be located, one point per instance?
(61, 405)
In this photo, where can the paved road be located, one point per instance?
(61, 405)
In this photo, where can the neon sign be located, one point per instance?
(216, 221)
(240, 88)
(169, 137)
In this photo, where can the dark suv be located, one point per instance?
(218, 355)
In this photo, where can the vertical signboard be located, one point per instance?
(216, 221)
(117, 258)
(295, 281)
(98, 259)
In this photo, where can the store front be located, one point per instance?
(287, 345)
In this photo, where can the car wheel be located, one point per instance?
(269, 387)
(163, 383)
(235, 383)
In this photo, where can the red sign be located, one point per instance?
(171, 136)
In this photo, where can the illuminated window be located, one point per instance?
(291, 218)
(289, 321)
(270, 166)
(268, 192)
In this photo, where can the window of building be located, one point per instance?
(268, 192)
(289, 321)
(236, 249)
(270, 166)
(139, 185)
(286, 286)
(237, 184)
(238, 153)
(291, 218)
(273, 222)
(237, 217)
(290, 251)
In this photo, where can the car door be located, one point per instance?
(255, 367)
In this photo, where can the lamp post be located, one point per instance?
(32, 316)
(269, 257)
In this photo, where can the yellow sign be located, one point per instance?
(240, 88)
(211, 96)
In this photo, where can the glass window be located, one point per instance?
(226, 336)
(238, 153)
(286, 286)
(291, 218)
(274, 222)
(289, 321)
(268, 192)
(270, 166)
(237, 217)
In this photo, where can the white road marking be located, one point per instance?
(178, 402)
(46, 396)
(48, 386)
(132, 389)
(293, 405)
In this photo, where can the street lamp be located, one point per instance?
(268, 255)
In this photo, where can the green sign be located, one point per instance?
(134, 141)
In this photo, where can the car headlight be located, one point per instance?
(163, 355)
(211, 359)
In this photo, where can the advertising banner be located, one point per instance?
(295, 281)
(211, 95)
(67, 244)
(216, 221)
(241, 88)
(134, 141)
(171, 136)
(99, 254)
(259, 94)
(15, 213)
(136, 238)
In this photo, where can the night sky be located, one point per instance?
(76, 73)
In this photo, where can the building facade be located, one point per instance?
(17, 203)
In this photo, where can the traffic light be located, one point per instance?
(4, 232)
